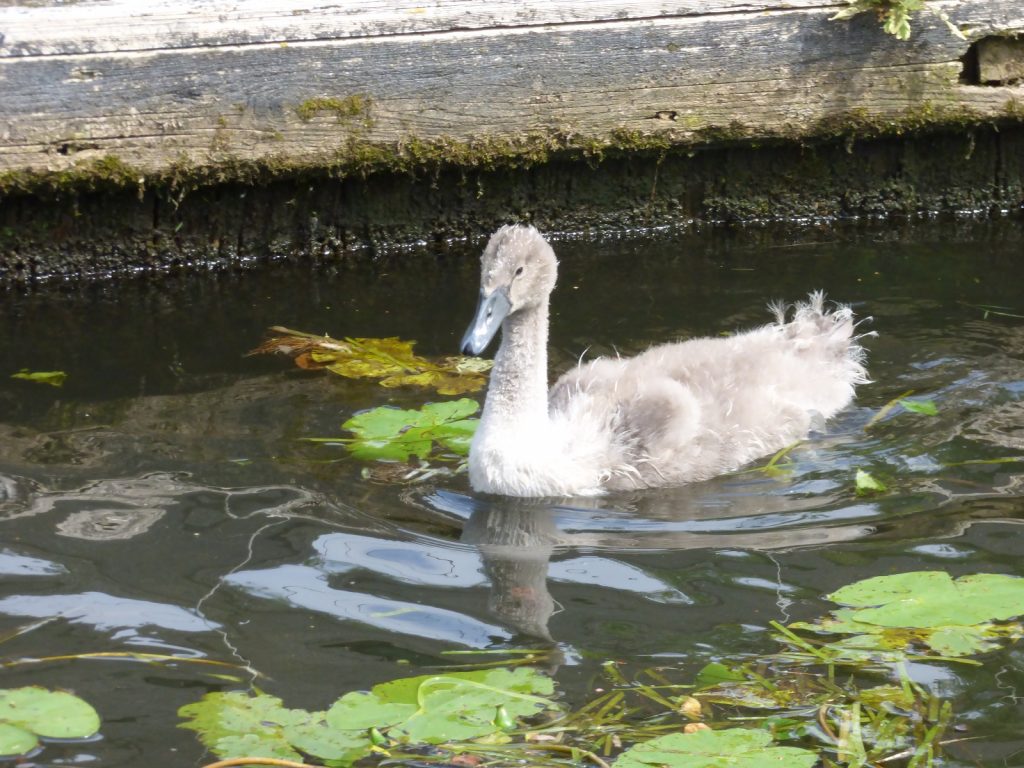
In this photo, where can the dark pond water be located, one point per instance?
(162, 502)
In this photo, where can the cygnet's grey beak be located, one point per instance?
(490, 311)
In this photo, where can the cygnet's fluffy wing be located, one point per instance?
(691, 410)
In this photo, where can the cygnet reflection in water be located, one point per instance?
(517, 538)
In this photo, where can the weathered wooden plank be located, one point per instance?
(475, 93)
(107, 26)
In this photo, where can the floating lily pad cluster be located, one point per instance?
(428, 709)
(885, 622)
(30, 714)
(391, 361)
(732, 715)
(891, 616)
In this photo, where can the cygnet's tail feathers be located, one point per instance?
(824, 333)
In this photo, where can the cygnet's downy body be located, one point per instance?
(674, 414)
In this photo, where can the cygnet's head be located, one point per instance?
(518, 270)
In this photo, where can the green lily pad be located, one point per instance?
(454, 706)
(730, 748)
(961, 641)
(50, 714)
(887, 616)
(16, 741)
(429, 709)
(362, 710)
(236, 724)
(392, 434)
(319, 738)
(933, 599)
(263, 744)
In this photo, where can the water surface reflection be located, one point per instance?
(164, 502)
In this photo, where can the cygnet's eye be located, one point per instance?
(519, 271)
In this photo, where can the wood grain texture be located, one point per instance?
(233, 81)
(50, 28)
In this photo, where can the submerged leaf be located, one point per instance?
(888, 697)
(715, 673)
(866, 483)
(393, 434)
(924, 407)
(730, 748)
(390, 359)
(53, 378)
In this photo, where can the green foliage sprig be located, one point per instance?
(894, 15)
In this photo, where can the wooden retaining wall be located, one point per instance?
(297, 82)
(177, 95)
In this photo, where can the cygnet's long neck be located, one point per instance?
(518, 392)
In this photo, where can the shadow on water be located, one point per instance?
(163, 501)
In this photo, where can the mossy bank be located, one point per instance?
(107, 218)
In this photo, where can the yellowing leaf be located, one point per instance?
(53, 378)
(390, 359)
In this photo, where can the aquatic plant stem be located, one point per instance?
(258, 761)
(574, 751)
(146, 657)
(799, 642)
(885, 409)
(823, 722)
(564, 748)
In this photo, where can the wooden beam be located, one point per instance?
(174, 86)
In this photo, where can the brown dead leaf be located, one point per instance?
(391, 360)
(467, 760)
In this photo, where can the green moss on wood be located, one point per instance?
(107, 172)
(350, 106)
(357, 155)
(927, 115)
